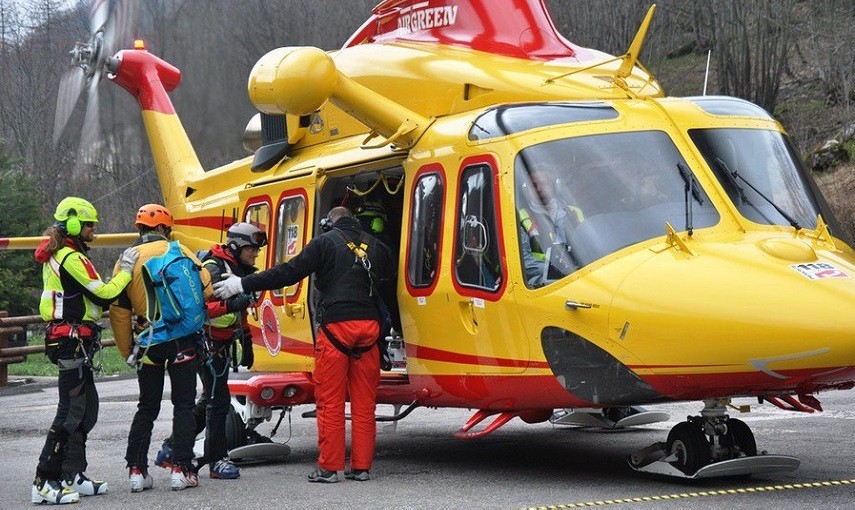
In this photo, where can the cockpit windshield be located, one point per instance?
(580, 199)
(760, 173)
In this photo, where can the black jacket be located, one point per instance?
(339, 276)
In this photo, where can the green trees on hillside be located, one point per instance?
(21, 215)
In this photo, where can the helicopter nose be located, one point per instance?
(735, 319)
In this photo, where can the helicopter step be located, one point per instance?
(608, 417)
(710, 445)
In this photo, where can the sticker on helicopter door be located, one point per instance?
(819, 271)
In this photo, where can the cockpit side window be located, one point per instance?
(607, 192)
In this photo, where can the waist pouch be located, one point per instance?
(76, 334)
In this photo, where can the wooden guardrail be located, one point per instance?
(15, 326)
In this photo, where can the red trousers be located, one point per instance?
(336, 376)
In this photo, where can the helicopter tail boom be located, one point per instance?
(149, 79)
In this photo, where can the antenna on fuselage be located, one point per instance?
(631, 55)
(707, 72)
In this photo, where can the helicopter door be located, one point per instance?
(284, 327)
(485, 332)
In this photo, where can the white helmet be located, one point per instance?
(245, 234)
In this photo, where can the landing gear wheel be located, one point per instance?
(742, 437)
(616, 414)
(235, 430)
(691, 447)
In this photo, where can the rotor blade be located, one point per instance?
(70, 86)
(99, 10)
(92, 121)
(121, 26)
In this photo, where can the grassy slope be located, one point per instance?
(39, 365)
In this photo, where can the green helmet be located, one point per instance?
(72, 212)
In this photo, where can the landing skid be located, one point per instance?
(627, 417)
(655, 459)
(260, 452)
(245, 445)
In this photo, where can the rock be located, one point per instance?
(831, 154)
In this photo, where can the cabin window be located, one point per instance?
(507, 120)
(769, 186)
(290, 233)
(726, 106)
(259, 215)
(477, 259)
(607, 192)
(423, 256)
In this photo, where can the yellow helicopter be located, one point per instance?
(701, 263)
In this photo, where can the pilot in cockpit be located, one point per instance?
(545, 223)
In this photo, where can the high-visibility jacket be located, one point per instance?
(73, 290)
(537, 242)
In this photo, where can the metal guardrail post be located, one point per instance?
(4, 342)
(9, 355)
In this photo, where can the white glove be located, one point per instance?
(129, 259)
(230, 286)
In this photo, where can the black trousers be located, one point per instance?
(178, 358)
(213, 405)
(64, 452)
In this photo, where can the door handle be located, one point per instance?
(573, 305)
(294, 310)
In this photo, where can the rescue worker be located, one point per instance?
(545, 222)
(177, 357)
(227, 324)
(72, 301)
(348, 265)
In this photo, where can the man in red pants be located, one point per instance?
(351, 267)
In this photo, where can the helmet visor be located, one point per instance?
(259, 239)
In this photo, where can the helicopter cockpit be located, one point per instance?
(623, 195)
(623, 185)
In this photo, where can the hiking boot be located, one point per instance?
(164, 456)
(140, 480)
(53, 493)
(183, 478)
(225, 469)
(360, 475)
(85, 486)
(323, 476)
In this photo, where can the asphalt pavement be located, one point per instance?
(419, 464)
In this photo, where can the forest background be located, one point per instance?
(794, 58)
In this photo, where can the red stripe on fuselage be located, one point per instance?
(702, 386)
(213, 222)
(431, 354)
(286, 344)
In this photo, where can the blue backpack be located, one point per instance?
(176, 302)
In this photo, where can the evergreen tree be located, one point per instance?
(22, 215)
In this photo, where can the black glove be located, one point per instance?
(238, 303)
(246, 355)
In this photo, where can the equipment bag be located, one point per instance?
(176, 302)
